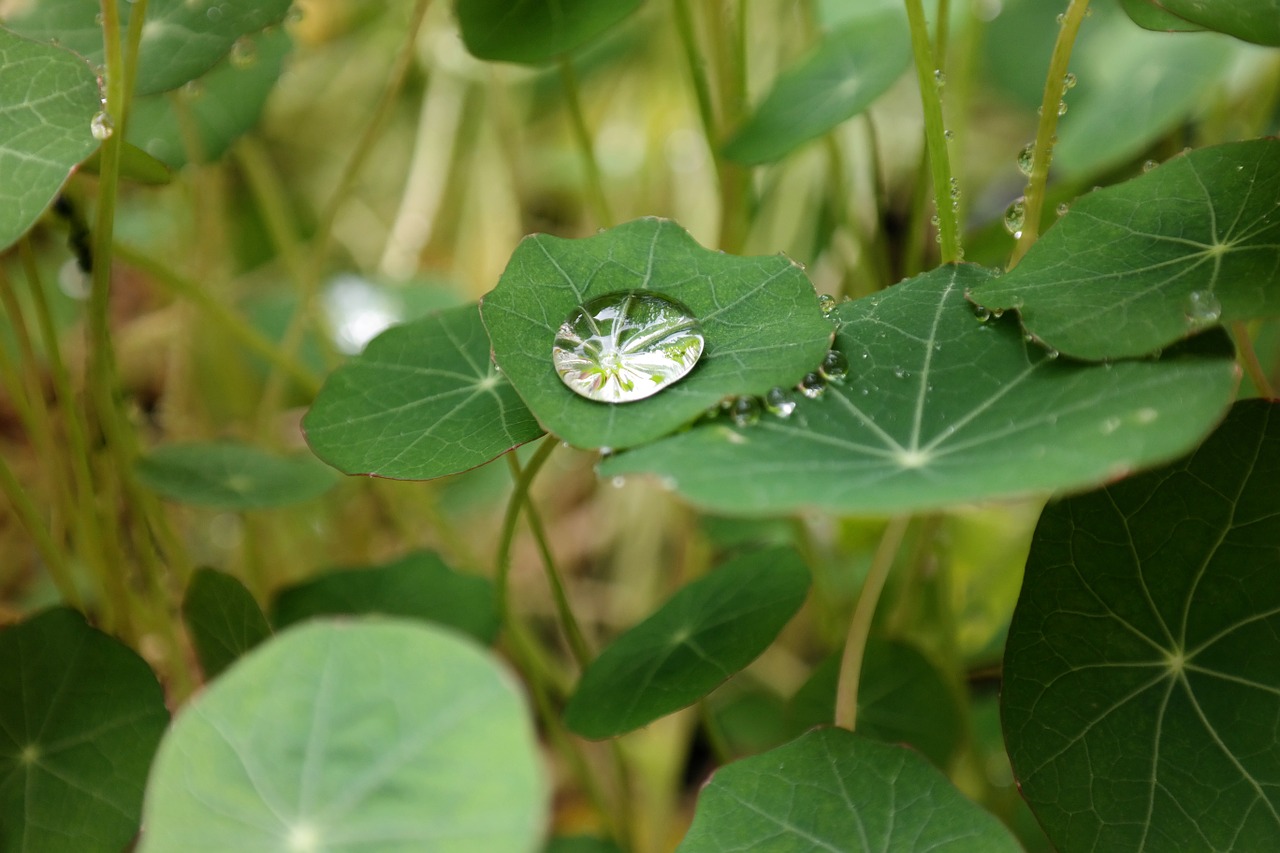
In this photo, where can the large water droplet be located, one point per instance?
(835, 366)
(102, 125)
(1026, 157)
(745, 411)
(813, 385)
(1203, 307)
(1014, 215)
(778, 403)
(626, 346)
(827, 303)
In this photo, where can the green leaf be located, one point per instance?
(759, 316)
(535, 31)
(80, 717)
(48, 99)
(370, 735)
(1141, 692)
(135, 165)
(849, 69)
(181, 39)
(228, 475)
(419, 586)
(1137, 266)
(223, 618)
(902, 698)
(1150, 15)
(834, 790)
(939, 409)
(706, 632)
(221, 106)
(423, 400)
(1256, 21)
(580, 844)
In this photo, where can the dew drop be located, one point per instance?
(1062, 108)
(1068, 82)
(1203, 308)
(745, 411)
(997, 313)
(939, 78)
(1014, 215)
(102, 125)
(626, 346)
(949, 134)
(244, 53)
(778, 403)
(1063, 208)
(827, 303)
(1051, 353)
(812, 386)
(1026, 157)
(835, 366)
(982, 314)
(1149, 165)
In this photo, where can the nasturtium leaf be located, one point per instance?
(1142, 264)
(223, 619)
(368, 735)
(181, 39)
(1257, 21)
(1150, 15)
(938, 409)
(423, 400)
(418, 586)
(1141, 692)
(834, 790)
(849, 69)
(535, 31)
(80, 717)
(759, 316)
(703, 634)
(580, 844)
(48, 100)
(229, 475)
(220, 107)
(902, 698)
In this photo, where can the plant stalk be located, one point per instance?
(586, 150)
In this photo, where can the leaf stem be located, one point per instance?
(1249, 357)
(1033, 198)
(929, 75)
(860, 624)
(519, 497)
(582, 136)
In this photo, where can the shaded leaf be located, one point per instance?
(48, 98)
(1139, 265)
(580, 844)
(706, 632)
(1141, 694)
(423, 400)
(223, 618)
(373, 735)
(834, 790)
(1257, 21)
(229, 475)
(760, 320)
(939, 408)
(1150, 15)
(535, 31)
(419, 586)
(80, 717)
(840, 78)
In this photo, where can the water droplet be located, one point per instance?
(1063, 208)
(193, 89)
(827, 303)
(835, 366)
(1068, 82)
(244, 53)
(981, 313)
(1061, 19)
(1203, 308)
(102, 125)
(294, 16)
(626, 346)
(1149, 165)
(812, 386)
(900, 373)
(997, 313)
(949, 134)
(1062, 108)
(1026, 157)
(1014, 215)
(1051, 353)
(939, 78)
(745, 411)
(778, 403)
(214, 13)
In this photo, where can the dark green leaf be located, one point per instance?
(706, 632)
(370, 735)
(423, 400)
(834, 790)
(419, 586)
(223, 618)
(1137, 266)
(1141, 690)
(849, 69)
(1150, 15)
(938, 409)
(759, 316)
(535, 31)
(580, 844)
(228, 475)
(80, 717)
(48, 99)
(1257, 21)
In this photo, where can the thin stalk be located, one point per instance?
(928, 73)
(272, 201)
(1033, 198)
(582, 136)
(53, 557)
(1249, 357)
(698, 76)
(860, 625)
(519, 497)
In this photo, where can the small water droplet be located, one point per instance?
(294, 15)
(939, 78)
(618, 482)
(981, 313)
(214, 13)
(1203, 308)
(1051, 353)
(102, 125)
(812, 386)
(835, 366)
(827, 303)
(626, 346)
(949, 134)
(193, 89)
(1068, 82)
(1026, 157)
(244, 53)
(900, 373)
(745, 411)
(997, 313)
(1149, 165)
(778, 403)
(1063, 208)
(1014, 216)
(1062, 108)
(1061, 19)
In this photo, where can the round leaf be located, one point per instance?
(1150, 15)
(80, 717)
(423, 400)
(1136, 266)
(380, 735)
(228, 475)
(759, 316)
(706, 632)
(1141, 691)
(1257, 21)
(223, 618)
(535, 31)
(48, 98)
(834, 790)
(940, 409)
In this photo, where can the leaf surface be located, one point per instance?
(535, 31)
(1142, 264)
(1141, 691)
(706, 632)
(423, 400)
(759, 316)
(230, 475)
(1256, 21)
(938, 409)
(1150, 15)
(223, 618)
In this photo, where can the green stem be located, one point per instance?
(1033, 199)
(586, 150)
(860, 625)
(53, 558)
(1249, 357)
(519, 497)
(698, 76)
(928, 73)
